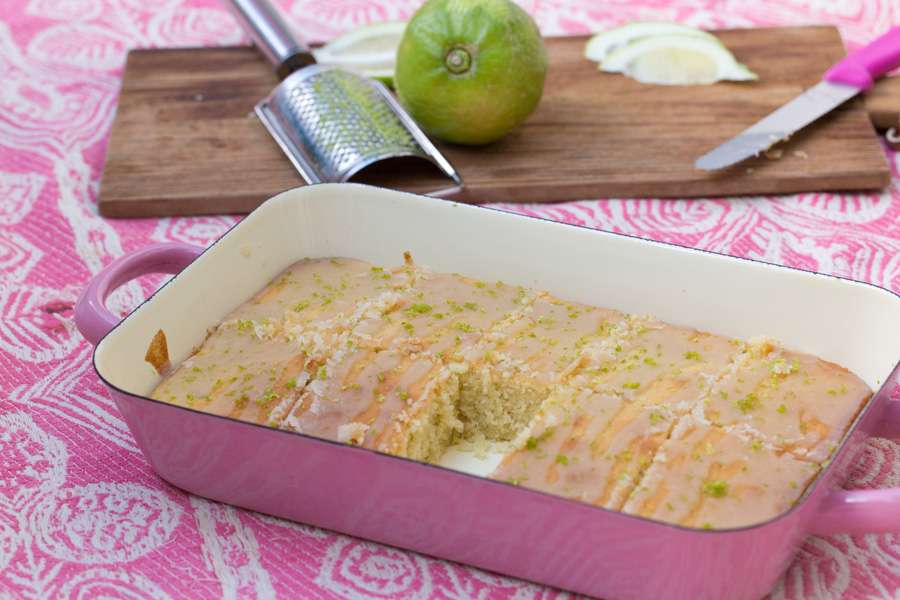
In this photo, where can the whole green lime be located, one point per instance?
(469, 71)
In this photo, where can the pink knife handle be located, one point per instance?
(862, 67)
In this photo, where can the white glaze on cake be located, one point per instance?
(618, 410)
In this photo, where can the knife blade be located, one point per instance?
(818, 100)
(850, 76)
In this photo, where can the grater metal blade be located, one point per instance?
(332, 123)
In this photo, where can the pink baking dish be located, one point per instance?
(458, 515)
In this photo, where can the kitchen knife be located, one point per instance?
(855, 73)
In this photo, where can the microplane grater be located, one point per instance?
(330, 122)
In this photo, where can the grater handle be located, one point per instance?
(271, 35)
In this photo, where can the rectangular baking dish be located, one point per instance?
(460, 516)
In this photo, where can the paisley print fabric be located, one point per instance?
(82, 514)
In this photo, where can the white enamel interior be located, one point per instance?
(850, 323)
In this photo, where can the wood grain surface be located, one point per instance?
(185, 139)
(883, 103)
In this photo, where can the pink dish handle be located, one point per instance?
(864, 511)
(92, 317)
(862, 67)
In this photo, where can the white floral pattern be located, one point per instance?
(364, 570)
(103, 583)
(9, 541)
(31, 461)
(103, 522)
(81, 513)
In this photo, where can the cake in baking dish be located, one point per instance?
(618, 410)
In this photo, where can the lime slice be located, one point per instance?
(599, 46)
(676, 60)
(370, 50)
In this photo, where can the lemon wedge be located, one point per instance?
(676, 60)
(370, 50)
(600, 45)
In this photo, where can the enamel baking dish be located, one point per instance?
(462, 516)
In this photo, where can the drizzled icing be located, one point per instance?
(640, 450)
(604, 406)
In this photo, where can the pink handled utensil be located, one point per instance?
(855, 73)
(862, 67)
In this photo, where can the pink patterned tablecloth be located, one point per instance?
(81, 512)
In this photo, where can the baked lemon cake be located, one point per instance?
(618, 410)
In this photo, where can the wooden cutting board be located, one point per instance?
(883, 103)
(185, 139)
